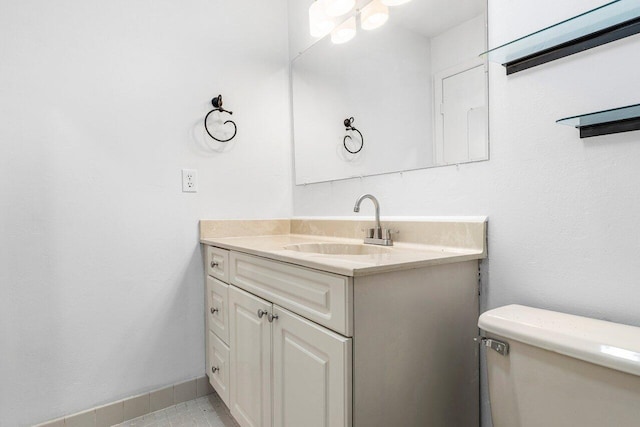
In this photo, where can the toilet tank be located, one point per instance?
(561, 370)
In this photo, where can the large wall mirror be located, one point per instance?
(416, 89)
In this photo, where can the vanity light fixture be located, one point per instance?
(337, 8)
(324, 15)
(395, 2)
(320, 24)
(374, 15)
(344, 32)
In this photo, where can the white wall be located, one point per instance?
(101, 104)
(563, 212)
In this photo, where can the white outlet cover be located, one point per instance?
(189, 181)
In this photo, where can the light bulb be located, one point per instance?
(338, 7)
(344, 32)
(395, 2)
(374, 15)
(319, 23)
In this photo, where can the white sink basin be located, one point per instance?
(338, 249)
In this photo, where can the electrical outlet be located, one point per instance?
(189, 181)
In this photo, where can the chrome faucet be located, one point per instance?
(376, 235)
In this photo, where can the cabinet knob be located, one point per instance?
(261, 313)
(214, 264)
(272, 317)
(214, 369)
(214, 310)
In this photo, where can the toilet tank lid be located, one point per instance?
(604, 343)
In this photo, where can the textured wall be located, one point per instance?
(101, 103)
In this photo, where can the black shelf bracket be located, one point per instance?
(614, 120)
(598, 38)
(627, 125)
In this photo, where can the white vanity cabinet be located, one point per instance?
(217, 323)
(270, 365)
(285, 369)
(304, 347)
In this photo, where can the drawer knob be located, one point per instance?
(214, 264)
(272, 317)
(214, 369)
(214, 310)
(261, 313)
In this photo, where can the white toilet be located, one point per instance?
(553, 369)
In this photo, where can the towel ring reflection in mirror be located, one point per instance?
(348, 124)
(217, 106)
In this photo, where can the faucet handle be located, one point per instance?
(369, 232)
(387, 232)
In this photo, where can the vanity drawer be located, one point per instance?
(218, 263)
(324, 298)
(218, 369)
(218, 308)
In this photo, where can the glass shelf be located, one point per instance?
(623, 119)
(613, 21)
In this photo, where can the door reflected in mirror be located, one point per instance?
(416, 89)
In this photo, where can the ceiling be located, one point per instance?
(432, 17)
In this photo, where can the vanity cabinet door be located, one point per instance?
(250, 345)
(218, 263)
(218, 366)
(312, 373)
(217, 308)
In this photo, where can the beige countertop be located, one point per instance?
(446, 247)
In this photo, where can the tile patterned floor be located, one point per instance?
(208, 411)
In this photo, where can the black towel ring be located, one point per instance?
(348, 124)
(217, 106)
